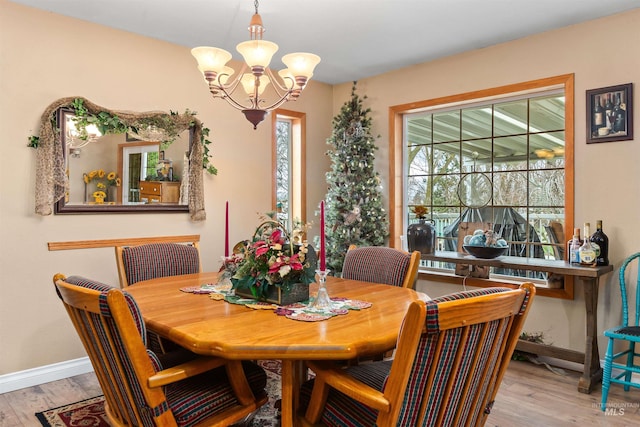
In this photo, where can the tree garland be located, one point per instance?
(51, 178)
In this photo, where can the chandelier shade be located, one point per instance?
(257, 54)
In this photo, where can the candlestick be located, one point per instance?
(323, 264)
(226, 231)
(322, 300)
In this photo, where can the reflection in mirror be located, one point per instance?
(122, 173)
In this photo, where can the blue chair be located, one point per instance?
(629, 333)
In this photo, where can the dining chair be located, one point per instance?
(628, 333)
(142, 388)
(153, 260)
(451, 356)
(380, 264)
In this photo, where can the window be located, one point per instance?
(289, 187)
(502, 155)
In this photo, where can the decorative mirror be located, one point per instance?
(93, 160)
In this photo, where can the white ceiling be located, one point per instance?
(354, 38)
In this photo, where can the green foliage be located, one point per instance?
(206, 156)
(105, 121)
(110, 123)
(354, 213)
(274, 257)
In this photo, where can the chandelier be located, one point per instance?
(75, 138)
(257, 54)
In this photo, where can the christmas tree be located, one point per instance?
(354, 211)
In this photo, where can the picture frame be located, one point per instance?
(161, 155)
(610, 114)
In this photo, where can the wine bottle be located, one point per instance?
(587, 252)
(598, 116)
(602, 241)
(619, 116)
(573, 246)
(608, 111)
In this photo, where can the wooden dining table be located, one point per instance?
(217, 328)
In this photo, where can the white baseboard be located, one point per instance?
(44, 374)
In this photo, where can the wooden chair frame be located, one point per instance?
(79, 301)
(509, 308)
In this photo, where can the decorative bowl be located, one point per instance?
(485, 252)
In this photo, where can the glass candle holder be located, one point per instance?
(322, 300)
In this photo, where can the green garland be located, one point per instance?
(108, 123)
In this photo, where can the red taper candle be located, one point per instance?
(323, 263)
(226, 231)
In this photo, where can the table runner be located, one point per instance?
(296, 311)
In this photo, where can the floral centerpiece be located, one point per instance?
(103, 182)
(276, 261)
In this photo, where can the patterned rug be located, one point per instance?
(90, 412)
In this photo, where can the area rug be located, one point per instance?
(86, 413)
(90, 412)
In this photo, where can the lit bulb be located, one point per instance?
(249, 83)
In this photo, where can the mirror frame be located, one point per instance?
(61, 207)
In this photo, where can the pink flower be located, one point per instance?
(295, 263)
(261, 247)
(276, 237)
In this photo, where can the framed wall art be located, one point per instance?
(610, 114)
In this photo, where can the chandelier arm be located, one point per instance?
(280, 89)
(235, 104)
(278, 103)
(231, 87)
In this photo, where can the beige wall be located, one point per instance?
(607, 175)
(44, 57)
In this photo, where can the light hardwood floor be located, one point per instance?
(530, 396)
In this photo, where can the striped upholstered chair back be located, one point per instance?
(380, 264)
(153, 260)
(451, 356)
(142, 388)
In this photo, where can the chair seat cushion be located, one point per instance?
(627, 330)
(194, 399)
(343, 411)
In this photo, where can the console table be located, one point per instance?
(589, 277)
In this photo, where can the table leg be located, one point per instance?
(292, 376)
(592, 373)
